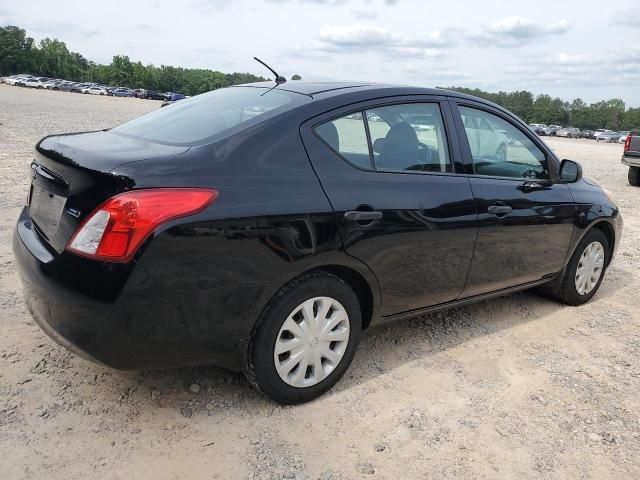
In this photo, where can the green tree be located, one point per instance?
(296, 77)
(16, 50)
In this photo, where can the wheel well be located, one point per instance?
(360, 287)
(608, 231)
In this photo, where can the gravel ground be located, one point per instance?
(517, 387)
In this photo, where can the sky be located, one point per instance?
(566, 48)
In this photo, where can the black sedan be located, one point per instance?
(264, 227)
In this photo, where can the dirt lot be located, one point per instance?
(518, 387)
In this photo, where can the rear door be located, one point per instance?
(389, 170)
(525, 215)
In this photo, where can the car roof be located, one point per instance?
(336, 94)
(328, 89)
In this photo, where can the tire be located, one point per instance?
(501, 153)
(568, 292)
(260, 366)
(634, 176)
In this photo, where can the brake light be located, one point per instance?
(627, 143)
(116, 229)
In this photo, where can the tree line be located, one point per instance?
(610, 114)
(51, 58)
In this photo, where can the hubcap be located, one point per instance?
(311, 342)
(589, 268)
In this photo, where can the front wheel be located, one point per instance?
(305, 339)
(585, 270)
(634, 176)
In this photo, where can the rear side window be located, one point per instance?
(407, 137)
(195, 120)
(347, 136)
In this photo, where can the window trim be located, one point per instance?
(465, 148)
(363, 107)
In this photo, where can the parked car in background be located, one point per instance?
(79, 87)
(553, 129)
(153, 95)
(172, 97)
(121, 92)
(599, 132)
(568, 132)
(138, 93)
(539, 128)
(608, 137)
(62, 86)
(32, 83)
(95, 91)
(49, 84)
(267, 243)
(631, 156)
(17, 80)
(623, 136)
(586, 134)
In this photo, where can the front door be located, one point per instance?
(402, 210)
(525, 216)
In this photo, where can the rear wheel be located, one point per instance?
(634, 176)
(305, 339)
(585, 270)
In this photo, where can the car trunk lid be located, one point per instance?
(71, 176)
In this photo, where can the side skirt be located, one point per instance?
(462, 302)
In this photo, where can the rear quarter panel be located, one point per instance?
(271, 222)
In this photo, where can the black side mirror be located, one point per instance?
(570, 171)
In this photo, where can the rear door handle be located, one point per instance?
(362, 216)
(499, 209)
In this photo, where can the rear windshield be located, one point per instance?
(195, 120)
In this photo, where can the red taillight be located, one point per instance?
(116, 229)
(627, 143)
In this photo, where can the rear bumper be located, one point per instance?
(119, 316)
(631, 161)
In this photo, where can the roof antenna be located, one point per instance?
(279, 79)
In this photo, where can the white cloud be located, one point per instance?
(359, 37)
(626, 18)
(516, 31)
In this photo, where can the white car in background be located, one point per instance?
(15, 79)
(32, 83)
(599, 132)
(486, 140)
(95, 91)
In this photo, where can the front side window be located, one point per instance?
(194, 120)
(501, 149)
(407, 137)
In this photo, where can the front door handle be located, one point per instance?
(362, 216)
(499, 209)
(532, 186)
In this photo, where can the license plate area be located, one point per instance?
(48, 199)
